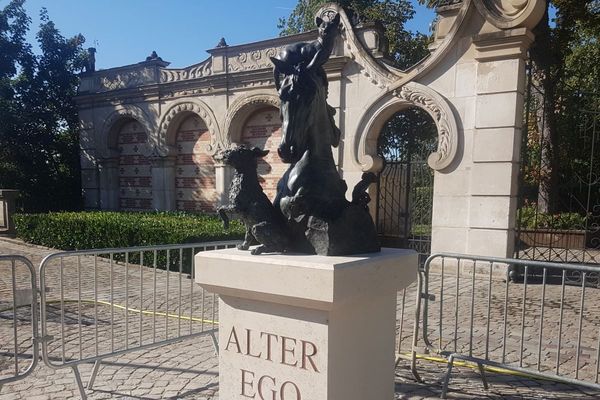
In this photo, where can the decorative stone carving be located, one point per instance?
(252, 60)
(370, 68)
(172, 117)
(506, 14)
(443, 117)
(126, 79)
(195, 71)
(411, 94)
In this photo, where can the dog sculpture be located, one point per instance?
(248, 202)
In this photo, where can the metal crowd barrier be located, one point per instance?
(103, 303)
(543, 326)
(17, 295)
(150, 300)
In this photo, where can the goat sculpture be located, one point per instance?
(264, 225)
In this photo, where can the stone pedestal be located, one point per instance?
(301, 327)
(8, 200)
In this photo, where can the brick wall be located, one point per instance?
(194, 170)
(263, 129)
(135, 171)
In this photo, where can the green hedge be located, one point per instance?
(530, 218)
(93, 230)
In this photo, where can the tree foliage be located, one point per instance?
(39, 148)
(405, 48)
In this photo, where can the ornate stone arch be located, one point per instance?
(175, 114)
(242, 108)
(108, 137)
(409, 95)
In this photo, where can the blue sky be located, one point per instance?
(126, 31)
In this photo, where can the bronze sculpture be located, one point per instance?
(311, 196)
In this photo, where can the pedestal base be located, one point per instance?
(306, 327)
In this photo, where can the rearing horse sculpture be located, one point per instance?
(311, 194)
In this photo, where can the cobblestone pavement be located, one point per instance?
(189, 369)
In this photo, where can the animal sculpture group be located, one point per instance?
(310, 213)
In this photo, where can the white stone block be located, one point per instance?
(450, 240)
(466, 108)
(491, 242)
(497, 144)
(494, 179)
(306, 327)
(499, 110)
(451, 211)
(466, 75)
(442, 78)
(493, 212)
(501, 76)
(455, 183)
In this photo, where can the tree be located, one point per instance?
(39, 149)
(405, 48)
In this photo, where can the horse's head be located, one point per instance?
(297, 91)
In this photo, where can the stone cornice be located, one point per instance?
(264, 44)
(504, 44)
(130, 95)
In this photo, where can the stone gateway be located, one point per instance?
(151, 136)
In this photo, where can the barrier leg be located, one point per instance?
(94, 373)
(215, 343)
(79, 383)
(413, 367)
(483, 377)
(447, 377)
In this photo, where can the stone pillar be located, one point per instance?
(223, 177)
(89, 166)
(500, 85)
(108, 171)
(297, 327)
(8, 202)
(163, 183)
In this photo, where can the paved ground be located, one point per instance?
(189, 369)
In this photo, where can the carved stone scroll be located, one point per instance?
(411, 94)
(200, 70)
(506, 14)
